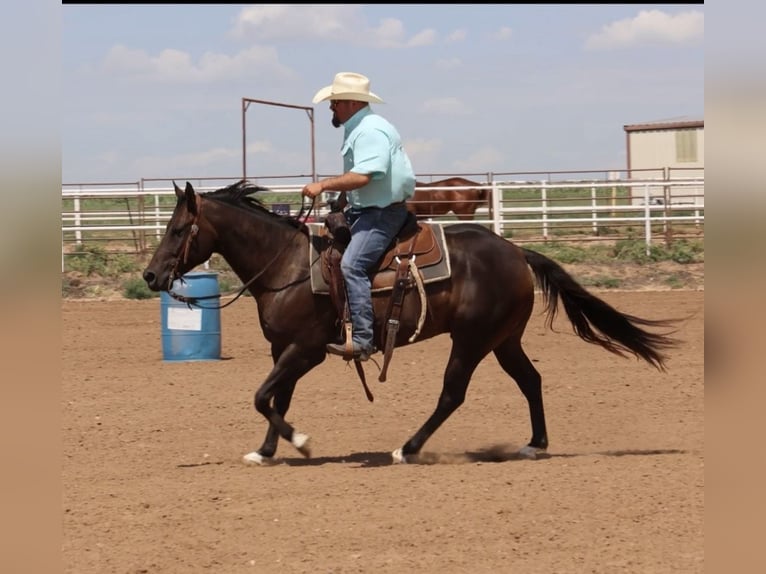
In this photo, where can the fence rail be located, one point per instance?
(131, 217)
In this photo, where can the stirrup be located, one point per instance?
(356, 353)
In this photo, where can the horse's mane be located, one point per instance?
(240, 194)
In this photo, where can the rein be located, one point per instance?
(194, 230)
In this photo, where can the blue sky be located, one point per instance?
(155, 91)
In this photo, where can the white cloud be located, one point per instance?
(389, 34)
(420, 146)
(108, 158)
(195, 162)
(424, 38)
(106, 118)
(261, 23)
(485, 158)
(649, 26)
(449, 64)
(126, 60)
(340, 23)
(449, 105)
(457, 36)
(214, 160)
(503, 33)
(177, 66)
(262, 146)
(420, 150)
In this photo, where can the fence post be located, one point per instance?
(77, 220)
(667, 226)
(594, 212)
(141, 207)
(696, 210)
(613, 176)
(648, 219)
(157, 223)
(496, 209)
(544, 206)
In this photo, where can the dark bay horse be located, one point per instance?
(484, 306)
(462, 198)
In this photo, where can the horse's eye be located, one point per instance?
(177, 231)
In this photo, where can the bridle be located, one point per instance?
(184, 257)
(184, 254)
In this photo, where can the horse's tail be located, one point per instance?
(594, 320)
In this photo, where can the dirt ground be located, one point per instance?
(153, 480)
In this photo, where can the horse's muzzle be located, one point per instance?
(151, 280)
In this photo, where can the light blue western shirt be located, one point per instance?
(372, 146)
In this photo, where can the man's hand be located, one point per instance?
(348, 181)
(312, 189)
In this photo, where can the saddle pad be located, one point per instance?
(431, 274)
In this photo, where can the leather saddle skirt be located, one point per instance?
(429, 253)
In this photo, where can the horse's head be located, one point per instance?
(186, 244)
(482, 193)
(478, 193)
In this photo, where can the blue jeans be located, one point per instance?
(372, 230)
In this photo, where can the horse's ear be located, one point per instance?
(191, 199)
(179, 192)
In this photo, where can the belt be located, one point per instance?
(397, 204)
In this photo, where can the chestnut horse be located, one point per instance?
(484, 306)
(462, 201)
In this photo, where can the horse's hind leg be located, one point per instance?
(457, 376)
(515, 362)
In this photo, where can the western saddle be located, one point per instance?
(399, 269)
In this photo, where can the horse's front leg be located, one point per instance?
(282, 398)
(279, 386)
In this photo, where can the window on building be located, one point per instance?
(686, 146)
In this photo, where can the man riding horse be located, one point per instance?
(377, 179)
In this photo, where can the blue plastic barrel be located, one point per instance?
(192, 333)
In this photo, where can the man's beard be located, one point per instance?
(335, 121)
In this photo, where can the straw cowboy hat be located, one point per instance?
(348, 86)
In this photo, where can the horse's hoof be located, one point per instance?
(302, 443)
(257, 459)
(530, 452)
(399, 457)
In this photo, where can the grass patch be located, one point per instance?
(624, 250)
(674, 282)
(92, 271)
(601, 282)
(568, 253)
(136, 288)
(93, 259)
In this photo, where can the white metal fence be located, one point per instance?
(133, 216)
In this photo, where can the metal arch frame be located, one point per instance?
(309, 111)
